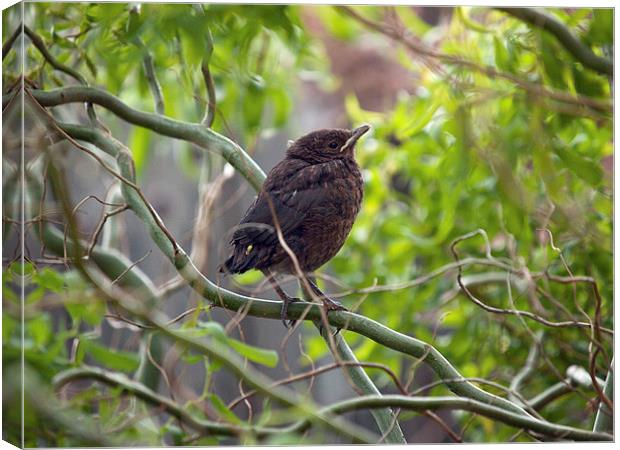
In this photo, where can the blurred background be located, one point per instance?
(480, 120)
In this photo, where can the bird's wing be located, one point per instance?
(291, 201)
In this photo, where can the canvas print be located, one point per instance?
(281, 225)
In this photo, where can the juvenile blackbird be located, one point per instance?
(315, 193)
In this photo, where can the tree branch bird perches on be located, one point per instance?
(312, 196)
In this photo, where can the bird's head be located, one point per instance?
(327, 144)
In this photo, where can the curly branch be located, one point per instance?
(8, 44)
(581, 52)
(604, 416)
(151, 78)
(492, 412)
(209, 84)
(271, 309)
(214, 349)
(40, 45)
(194, 133)
(142, 392)
(535, 89)
(510, 312)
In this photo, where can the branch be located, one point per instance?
(533, 88)
(41, 401)
(209, 85)
(604, 417)
(492, 412)
(141, 391)
(40, 45)
(323, 369)
(511, 312)
(213, 349)
(575, 376)
(526, 371)
(550, 394)
(385, 418)
(271, 309)
(581, 52)
(147, 63)
(151, 78)
(195, 133)
(8, 44)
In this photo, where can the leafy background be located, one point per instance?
(452, 150)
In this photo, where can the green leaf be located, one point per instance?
(113, 359)
(602, 27)
(86, 308)
(552, 62)
(140, 144)
(258, 355)
(212, 328)
(222, 410)
(586, 169)
(49, 279)
(40, 329)
(249, 277)
(588, 83)
(502, 57)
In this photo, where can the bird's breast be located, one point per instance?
(327, 225)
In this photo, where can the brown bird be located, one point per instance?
(314, 194)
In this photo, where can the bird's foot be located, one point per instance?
(284, 312)
(332, 305)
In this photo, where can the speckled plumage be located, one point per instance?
(315, 193)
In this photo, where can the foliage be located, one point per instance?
(466, 151)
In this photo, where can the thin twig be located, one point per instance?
(513, 312)
(535, 89)
(40, 45)
(124, 272)
(8, 44)
(209, 115)
(323, 369)
(569, 41)
(110, 170)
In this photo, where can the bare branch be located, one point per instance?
(194, 133)
(40, 45)
(319, 370)
(536, 90)
(8, 44)
(526, 371)
(209, 84)
(583, 54)
(151, 78)
(604, 416)
(493, 412)
(512, 312)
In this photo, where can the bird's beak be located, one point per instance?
(355, 135)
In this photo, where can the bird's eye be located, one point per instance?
(333, 144)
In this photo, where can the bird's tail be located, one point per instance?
(240, 261)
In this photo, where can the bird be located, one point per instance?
(312, 196)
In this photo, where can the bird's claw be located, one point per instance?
(332, 305)
(284, 312)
